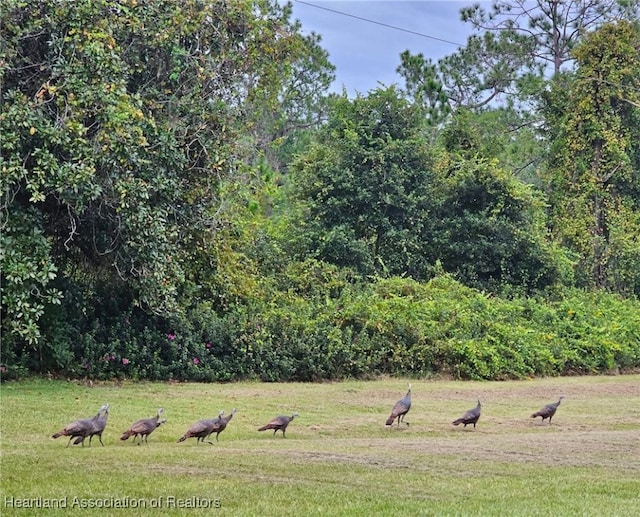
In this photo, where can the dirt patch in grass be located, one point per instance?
(617, 450)
(568, 390)
(620, 449)
(538, 389)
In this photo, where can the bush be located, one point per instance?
(392, 326)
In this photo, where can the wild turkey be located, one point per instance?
(202, 429)
(548, 411)
(97, 426)
(279, 423)
(81, 429)
(400, 409)
(143, 428)
(470, 417)
(221, 423)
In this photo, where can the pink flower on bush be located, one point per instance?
(196, 361)
(125, 361)
(171, 336)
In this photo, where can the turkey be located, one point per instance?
(400, 409)
(97, 426)
(548, 411)
(143, 428)
(202, 429)
(470, 417)
(221, 423)
(81, 429)
(279, 423)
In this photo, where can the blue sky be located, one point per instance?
(367, 53)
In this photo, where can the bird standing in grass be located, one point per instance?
(400, 409)
(279, 423)
(85, 428)
(97, 426)
(143, 428)
(202, 429)
(470, 417)
(221, 423)
(548, 411)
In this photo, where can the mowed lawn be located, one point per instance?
(338, 457)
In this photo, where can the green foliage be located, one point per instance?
(593, 181)
(318, 326)
(365, 182)
(552, 29)
(121, 126)
(490, 67)
(175, 206)
(379, 204)
(27, 274)
(289, 74)
(424, 86)
(488, 226)
(502, 134)
(444, 327)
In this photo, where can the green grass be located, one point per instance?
(338, 457)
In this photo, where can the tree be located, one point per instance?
(491, 67)
(121, 132)
(553, 27)
(594, 182)
(496, 134)
(518, 44)
(365, 181)
(488, 225)
(277, 119)
(504, 69)
(492, 77)
(424, 85)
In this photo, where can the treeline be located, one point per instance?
(183, 199)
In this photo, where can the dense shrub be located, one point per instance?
(403, 327)
(391, 326)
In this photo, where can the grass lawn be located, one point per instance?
(338, 457)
